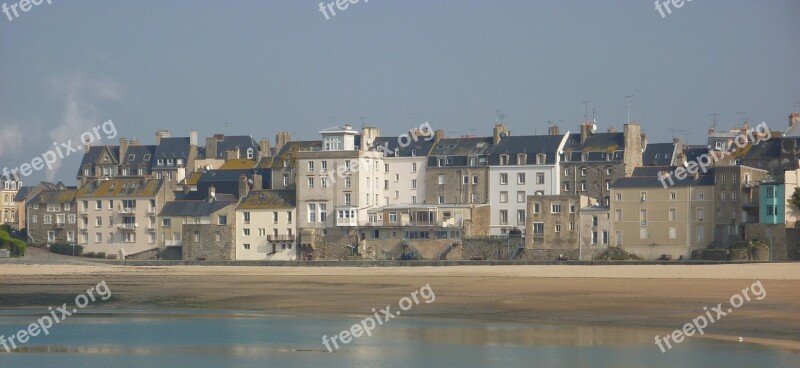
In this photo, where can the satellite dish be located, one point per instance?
(594, 128)
(136, 225)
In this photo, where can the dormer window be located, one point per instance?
(131, 157)
(285, 163)
(170, 162)
(250, 153)
(522, 159)
(160, 162)
(179, 161)
(585, 156)
(503, 160)
(541, 158)
(449, 160)
(146, 157)
(413, 152)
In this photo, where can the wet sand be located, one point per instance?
(663, 298)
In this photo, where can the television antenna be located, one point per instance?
(714, 120)
(362, 121)
(630, 104)
(586, 110)
(742, 116)
(501, 116)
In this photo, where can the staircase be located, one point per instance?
(517, 253)
(443, 254)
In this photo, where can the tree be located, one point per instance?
(795, 199)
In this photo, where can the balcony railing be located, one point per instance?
(280, 238)
(127, 209)
(173, 243)
(127, 227)
(151, 211)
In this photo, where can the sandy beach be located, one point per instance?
(649, 296)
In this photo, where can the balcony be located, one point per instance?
(128, 210)
(127, 227)
(280, 238)
(84, 211)
(173, 243)
(151, 211)
(347, 216)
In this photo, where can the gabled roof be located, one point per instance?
(597, 142)
(528, 144)
(118, 187)
(468, 146)
(240, 142)
(389, 144)
(694, 152)
(793, 132)
(658, 154)
(193, 208)
(139, 154)
(55, 196)
(173, 148)
(268, 199)
(22, 193)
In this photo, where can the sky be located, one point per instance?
(259, 67)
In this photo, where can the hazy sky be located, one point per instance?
(265, 66)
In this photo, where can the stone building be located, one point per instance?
(736, 202)
(552, 228)
(284, 163)
(52, 217)
(594, 231)
(453, 159)
(592, 161)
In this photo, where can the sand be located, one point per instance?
(657, 297)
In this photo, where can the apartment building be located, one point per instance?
(736, 203)
(553, 228)
(284, 163)
(651, 221)
(120, 213)
(592, 161)
(453, 159)
(52, 216)
(129, 158)
(404, 169)
(266, 223)
(520, 166)
(594, 230)
(9, 185)
(174, 158)
(220, 148)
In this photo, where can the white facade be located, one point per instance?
(404, 180)
(509, 188)
(266, 234)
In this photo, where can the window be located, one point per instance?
(608, 171)
(733, 196)
(323, 212)
(441, 199)
(310, 182)
(583, 171)
(642, 233)
(566, 186)
(700, 233)
(396, 177)
(673, 214)
(722, 196)
(558, 228)
(594, 237)
(393, 217)
(414, 167)
(98, 205)
(619, 196)
(503, 179)
(474, 197)
(572, 207)
(386, 168)
(538, 228)
(566, 172)
(700, 195)
(246, 232)
(246, 246)
(643, 196)
(503, 217)
(71, 219)
(98, 221)
(465, 179)
(441, 179)
(701, 213)
(414, 199)
(323, 182)
(572, 226)
(521, 178)
(605, 237)
(536, 207)
(98, 237)
(540, 178)
(772, 210)
(474, 179)
(618, 215)
(222, 220)
(521, 197)
(396, 195)
(347, 182)
(672, 196)
(347, 201)
(770, 192)
(311, 166)
(51, 236)
(503, 197)
(673, 233)
(246, 217)
(594, 221)
(723, 178)
(642, 217)
(520, 217)
(196, 236)
(555, 207)
(312, 212)
(583, 186)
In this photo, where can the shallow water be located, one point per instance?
(191, 338)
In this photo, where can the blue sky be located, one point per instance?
(265, 66)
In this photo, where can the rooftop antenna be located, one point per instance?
(586, 111)
(742, 116)
(630, 104)
(331, 119)
(594, 112)
(362, 121)
(472, 132)
(501, 116)
(714, 120)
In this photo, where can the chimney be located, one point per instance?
(644, 142)
(368, 135)
(678, 151)
(553, 130)
(135, 142)
(87, 145)
(211, 147)
(258, 182)
(244, 186)
(586, 131)
(281, 139)
(232, 154)
(794, 119)
(162, 134)
(263, 148)
(499, 132)
(123, 149)
(193, 138)
(439, 135)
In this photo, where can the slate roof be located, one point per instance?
(290, 149)
(420, 148)
(55, 196)
(468, 146)
(694, 152)
(22, 193)
(530, 144)
(240, 142)
(765, 149)
(793, 132)
(598, 147)
(647, 177)
(267, 199)
(193, 208)
(139, 154)
(238, 164)
(658, 154)
(172, 148)
(119, 187)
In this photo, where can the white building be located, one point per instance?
(266, 225)
(404, 169)
(519, 167)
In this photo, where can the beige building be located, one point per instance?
(651, 221)
(120, 213)
(266, 223)
(552, 229)
(9, 185)
(594, 231)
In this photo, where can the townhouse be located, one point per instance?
(736, 202)
(404, 169)
(120, 213)
(9, 186)
(266, 223)
(553, 228)
(451, 162)
(174, 158)
(652, 221)
(52, 216)
(284, 163)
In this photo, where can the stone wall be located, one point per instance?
(334, 246)
(793, 244)
(207, 247)
(490, 247)
(777, 234)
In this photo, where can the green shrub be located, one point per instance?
(617, 254)
(66, 249)
(100, 255)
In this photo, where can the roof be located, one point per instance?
(648, 177)
(339, 129)
(658, 154)
(22, 192)
(693, 153)
(234, 142)
(596, 207)
(12, 176)
(532, 144)
(231, 175)
(193, 208)
(765, 149)
(793, 132)
(121, 188)
(172, 148)
(136, 156)
(290, 149)
(237, 164)
(55, 196)
(467, 146)
(421, 147)
(191, 179)
(597, 142)
(264, 199)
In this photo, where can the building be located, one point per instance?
(266, 223)
(594, 230)
(552, 229)
(518, 167)
(592, 161)
(652, 221)
(198, 229)
(736, 202)
(453, 159)
(129, 158)
(284, 163)
(120, 213)
(220, 148)
(404, 169)
(174, 158)
(52, 216)
(9, 186)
